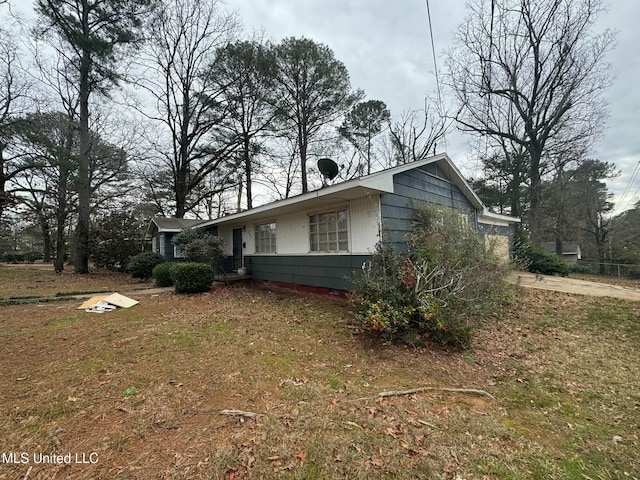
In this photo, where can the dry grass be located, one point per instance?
(143, 388)
(22, 282)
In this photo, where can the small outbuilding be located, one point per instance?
(570, 251)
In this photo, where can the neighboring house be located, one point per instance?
(570, 251)
(161, 231)
(320, 238)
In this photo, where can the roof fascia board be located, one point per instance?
(496, 217)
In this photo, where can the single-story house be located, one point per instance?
(571, 252)
(319, 238)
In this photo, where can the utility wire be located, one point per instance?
(433, 52)
(621, 204)
(435, 67)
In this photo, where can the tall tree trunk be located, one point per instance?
(58, 263)
(181, 193)
(239, 202)
(61, 211)
(46, 241)
(247, 171)
(601, 258)
(83, 180)
(535, 224)
(5, 198)
(302, 145)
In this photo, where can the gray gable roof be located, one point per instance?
(379, 182)
(171, 225)
(175, 223)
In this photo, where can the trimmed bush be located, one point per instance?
(192, 277)
(162, 275)
(142, 265)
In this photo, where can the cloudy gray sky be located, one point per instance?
(387, 49)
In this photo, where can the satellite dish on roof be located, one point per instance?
(328, 168)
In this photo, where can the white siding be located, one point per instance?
(248, 236)
(364, 214)
(292, 233)
(292, 230)
(227, 237)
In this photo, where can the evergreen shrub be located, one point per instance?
(538, 260)
(142, 265)
(162, 275)
(191, 277)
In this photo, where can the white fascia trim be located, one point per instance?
(491, 218)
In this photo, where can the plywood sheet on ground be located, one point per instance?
(120, 300)
(92, 302)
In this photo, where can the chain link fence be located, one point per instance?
(618, 270)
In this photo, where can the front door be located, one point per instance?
(237, 248)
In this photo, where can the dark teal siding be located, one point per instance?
(410, 188)
(167, 251)
(329, 271)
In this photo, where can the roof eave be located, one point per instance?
(498, 217)
(366, 185)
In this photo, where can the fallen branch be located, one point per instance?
(28, 473)
(400, 393)
(354, 424)
(431, 425)
(240, 413)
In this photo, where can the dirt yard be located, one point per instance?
(150, 392)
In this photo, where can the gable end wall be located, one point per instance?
(398, 209)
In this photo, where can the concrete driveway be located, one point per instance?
(572, 285)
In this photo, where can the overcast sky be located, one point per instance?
(387, 49)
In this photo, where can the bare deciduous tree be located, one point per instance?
(531, 72)
(415, 135)
(183, 38)
(13, 94)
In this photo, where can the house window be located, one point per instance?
(328, 232)
(265, 235)
(177, 252)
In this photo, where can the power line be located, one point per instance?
(621, 204)
(433, 53)
(435, 67)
